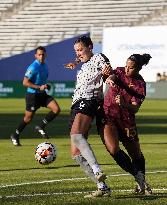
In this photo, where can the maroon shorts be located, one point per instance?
(127, 129)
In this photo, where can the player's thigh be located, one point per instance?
(82, 113)
(53, 105)
(32, 103)
(81, 124)
(111, 138)
(48, 101)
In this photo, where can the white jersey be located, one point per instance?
(89, 79)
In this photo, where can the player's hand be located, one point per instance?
(73, 64)
(107, 70)
(70, 66)
(119, 100)
(111, 80)
(43, 87)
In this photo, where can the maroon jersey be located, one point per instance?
(132, 90)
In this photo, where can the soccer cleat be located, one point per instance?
(140, 179)
(100, 176)
(137, 190)
(143, 187)
(148, 190)
(15, 139)
(99, 193)
(41, 132)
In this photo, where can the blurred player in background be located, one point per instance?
(127, 90)
(88, 96)
(35, 80)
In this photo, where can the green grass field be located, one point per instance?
(24, 181)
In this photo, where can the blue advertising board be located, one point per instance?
(13, 68)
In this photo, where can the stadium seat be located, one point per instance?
(44, 22)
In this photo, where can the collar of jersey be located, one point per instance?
(39, 62)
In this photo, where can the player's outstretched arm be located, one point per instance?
(72, 65)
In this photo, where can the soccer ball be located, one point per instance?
(45, 153)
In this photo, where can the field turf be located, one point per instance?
(24, 181)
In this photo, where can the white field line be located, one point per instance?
(72, 179)
(155, 191)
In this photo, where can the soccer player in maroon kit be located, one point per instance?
(127, 90)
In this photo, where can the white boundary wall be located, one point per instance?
(120, 42)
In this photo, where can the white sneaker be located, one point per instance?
(100, 176)
(99, 193)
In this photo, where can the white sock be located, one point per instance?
(88, 170)
(96, 168)
(85, 167)
(86, 151)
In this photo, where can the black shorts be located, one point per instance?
(37, 100)
(86, 107)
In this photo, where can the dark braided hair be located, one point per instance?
(140, 60)
(86, 40)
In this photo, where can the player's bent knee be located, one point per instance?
(56, 110)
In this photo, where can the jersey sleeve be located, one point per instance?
(30, 72)
(103, 61)
(140, 89)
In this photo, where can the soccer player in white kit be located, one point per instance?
(87, 98)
